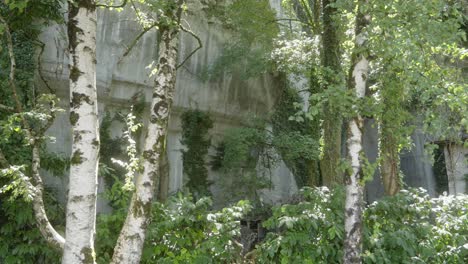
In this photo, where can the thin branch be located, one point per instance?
(136, 10)
(11, 80)
(290, 20)
(124, 2)
(135, 41)
(3, 160)
(200, 45)
(39, 67)
(7, 108)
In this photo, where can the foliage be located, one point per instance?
(133, 165)
(310, 231)
(413, 228)
(181, 231)
(409, 227)
(108, 226)
(195, 127)
(242, 150)
(247, 154)
(292, 137)
(253, 26)
(188, 232)
(20, 239)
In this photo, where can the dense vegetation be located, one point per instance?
(414, 79)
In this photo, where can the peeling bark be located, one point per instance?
(131, 239)
(81, 205)
(354, 187)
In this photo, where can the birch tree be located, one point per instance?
(131, 239)
(354, 185)
(81, 205)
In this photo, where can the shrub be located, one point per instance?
(410, 227)
(308, 232)
(188, 232)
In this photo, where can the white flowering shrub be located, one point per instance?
(297, 53)
(409, 227)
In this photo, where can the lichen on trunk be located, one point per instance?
(354, 185)
(82, 194)
(132, 236)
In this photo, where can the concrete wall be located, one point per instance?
(229, 98)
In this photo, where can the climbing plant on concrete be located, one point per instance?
(195, 127)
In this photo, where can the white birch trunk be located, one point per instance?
(354, 187)
(46, 229)
(130, 243)
(81, 206)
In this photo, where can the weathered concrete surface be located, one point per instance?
(229, 98)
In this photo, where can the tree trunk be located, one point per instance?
(332, 120)
(81, 206)
(164, 168)
(130, 242)
(314, 178)
(354, 186)
(390, 164)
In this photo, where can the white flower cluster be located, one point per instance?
(295, 53)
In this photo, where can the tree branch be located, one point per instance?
(39, 67)
(135, 41)
(11, 80)
(7, 108)
(200, 45)
(124, 2)
(47, 230)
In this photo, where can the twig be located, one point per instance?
(39, 67)
(200, 45)
(124, 2)
(135, 41)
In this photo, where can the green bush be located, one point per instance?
(20, 239)
(181, 231)
(310, 231)
(410, 227)
(189, 232)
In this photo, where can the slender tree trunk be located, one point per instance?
(314, 178)
(130, 242)
(163, 187)
(81, 206)
(390, 164)
(354, 186)
(332, 120)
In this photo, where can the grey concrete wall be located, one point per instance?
(229, 98)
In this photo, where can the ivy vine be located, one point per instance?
(195, 127)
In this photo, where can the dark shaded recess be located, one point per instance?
(440, 170)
